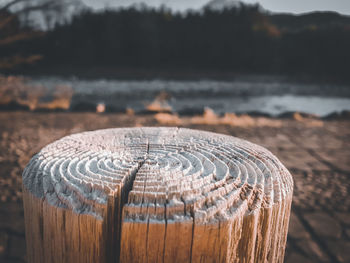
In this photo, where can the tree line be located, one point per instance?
(240, 39)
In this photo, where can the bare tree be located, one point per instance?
(16, 24)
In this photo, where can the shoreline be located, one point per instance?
(93, 108)
(259, 96)
(176, 74)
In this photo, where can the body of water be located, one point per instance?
(270, 96)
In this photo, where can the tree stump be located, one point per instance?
(155, 195)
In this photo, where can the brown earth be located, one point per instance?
(317, 152)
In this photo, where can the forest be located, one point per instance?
(244, 39)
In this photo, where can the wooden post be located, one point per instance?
(155, 195)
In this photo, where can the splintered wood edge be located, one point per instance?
(160, 176)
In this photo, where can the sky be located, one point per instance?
(289, 6)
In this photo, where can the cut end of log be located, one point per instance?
(157, 194)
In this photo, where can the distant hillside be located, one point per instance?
(66, 9)
(315, 20)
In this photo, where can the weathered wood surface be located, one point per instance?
(155, 195)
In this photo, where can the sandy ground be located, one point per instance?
(317, 152)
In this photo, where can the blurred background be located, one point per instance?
(274, 72)
(227, 55)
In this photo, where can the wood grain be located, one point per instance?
(155, 195)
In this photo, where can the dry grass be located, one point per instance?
(16, 89)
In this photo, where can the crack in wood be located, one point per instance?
(156, 195)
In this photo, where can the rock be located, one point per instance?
(83, 106)
(343, 115)
(13, 106)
